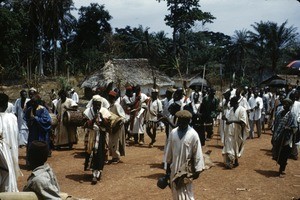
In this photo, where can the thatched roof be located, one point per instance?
(190, 78)
(127, 71)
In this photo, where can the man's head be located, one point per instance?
(23, 94)
(234, 102)
(256, 92)
(183, 119)
(97, 101)
(36, 101)
(63, 95)
(169, 93)
(287, 103)
(212, 92)
(178, 94)
(129, 91)
(3, 102)
(112, 95)
(37, 154)
(154, 93)
(196, 97)
(173, 108)
(32, 91)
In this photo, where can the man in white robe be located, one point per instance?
(117, 132)
(236, 130)
(183, 149)
(65, 135)
(9, 164)
(256, 106)
(19, 108)
(154, 110)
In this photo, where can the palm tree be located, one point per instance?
(240, 49)
(60, 23)
(269, 40)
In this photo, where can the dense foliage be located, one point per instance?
(43, 38)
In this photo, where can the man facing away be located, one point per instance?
(42, 180)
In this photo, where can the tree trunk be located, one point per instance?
(41, 63)
(54, 57)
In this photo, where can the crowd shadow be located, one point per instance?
(267, 173)
(80, 177)
(215, 146)
(267, 151)
(79, 154)
(157, 165)
(153, 176)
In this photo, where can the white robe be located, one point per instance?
(22, 124)
(9, 152)
(235, 137)
(178, 152)
(255, 114)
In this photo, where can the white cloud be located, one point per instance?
(231, 14)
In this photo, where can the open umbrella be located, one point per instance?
(294, 64)
(277, 83)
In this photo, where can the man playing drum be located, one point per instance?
(117, 132)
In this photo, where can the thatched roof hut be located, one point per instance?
(128, 71)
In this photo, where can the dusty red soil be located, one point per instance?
(136, 176)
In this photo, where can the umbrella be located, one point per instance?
(277, 83)
(198, 84)
(294, 64)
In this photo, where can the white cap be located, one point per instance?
(97, 98)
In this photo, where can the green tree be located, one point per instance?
(10, 40)
(183, 16)
(93, 35)
(239, 51)
(59, 25)
(268, 42)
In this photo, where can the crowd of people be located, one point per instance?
(112, 121)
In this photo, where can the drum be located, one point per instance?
(73, 118)
(115, 122)
(54, 120)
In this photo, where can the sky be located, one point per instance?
(230, 15)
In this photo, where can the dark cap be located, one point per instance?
(183, 114)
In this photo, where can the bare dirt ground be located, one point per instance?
(136, 176)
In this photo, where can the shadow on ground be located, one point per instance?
(267, 173)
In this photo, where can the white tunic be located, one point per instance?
(9, 152)
(178, 152)
(256, 113)
(235, 136)
(22, 124)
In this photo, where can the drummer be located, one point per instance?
(65, 135)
